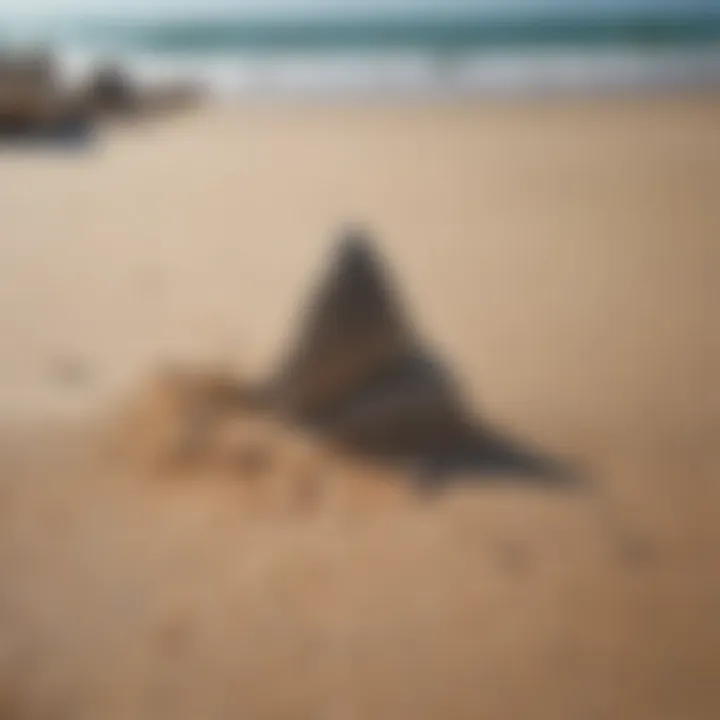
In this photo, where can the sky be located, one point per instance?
(278, 8)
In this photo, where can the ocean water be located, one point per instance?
(393, 56)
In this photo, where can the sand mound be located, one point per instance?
(206, 424)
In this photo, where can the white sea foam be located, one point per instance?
(414, 74)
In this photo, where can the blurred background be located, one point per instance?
(406, 48)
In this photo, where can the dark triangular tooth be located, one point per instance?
(359, 376)
(353, 329)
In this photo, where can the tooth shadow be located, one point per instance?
(413, 415)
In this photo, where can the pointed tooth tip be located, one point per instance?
(355, 243)
(355, 234)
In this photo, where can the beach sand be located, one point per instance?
(563, 258)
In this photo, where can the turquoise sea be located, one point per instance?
(401, 55)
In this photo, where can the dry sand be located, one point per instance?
(564, 256)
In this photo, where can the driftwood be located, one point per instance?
(111, 92)
(35, 103)
(28, 92)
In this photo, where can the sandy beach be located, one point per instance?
(563, 258)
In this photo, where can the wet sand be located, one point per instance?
(563, 257)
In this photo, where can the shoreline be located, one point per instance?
(413, 74)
